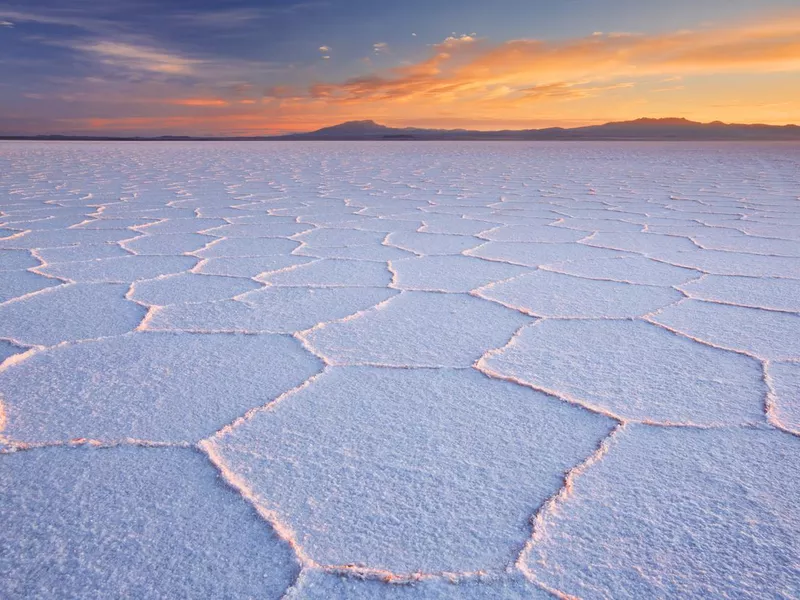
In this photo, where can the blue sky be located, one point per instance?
(173, 65)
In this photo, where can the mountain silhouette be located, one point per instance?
(645, 129)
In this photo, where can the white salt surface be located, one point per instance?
(785, 380)
(249, 267)
(754, 292)
(119, 270)
(21, 283)
(399, 370)
(765, 334)
(679, 514)
(634, 370)
(112, 523)
(242, 246)
(546, 294)
(49, 317)
(333, 273)
(146, 385)
(317, 585)
(190, 288)
(167, 244)
(374, 253)
(419, 329)
(449, 273)
(411, 469)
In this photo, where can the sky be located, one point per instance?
(252, 67)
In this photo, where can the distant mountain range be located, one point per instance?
(637, 130)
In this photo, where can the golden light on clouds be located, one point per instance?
(467, 81)
(200, 102)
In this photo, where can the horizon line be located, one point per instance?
(675, 122)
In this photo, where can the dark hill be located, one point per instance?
(674, 129)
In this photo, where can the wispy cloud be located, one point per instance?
(225, 18)
(64, 18)
(228, 18)
(106, 41)
(6, 24)
(138, 58)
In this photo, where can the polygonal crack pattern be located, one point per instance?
(400, 466)
(564, 373)
(167, 387)
(635, 371)
(716, 509)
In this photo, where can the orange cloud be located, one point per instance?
(469, 68)
(199, 102)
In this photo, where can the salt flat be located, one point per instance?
(399, 370)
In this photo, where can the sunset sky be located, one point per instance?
(154, 67)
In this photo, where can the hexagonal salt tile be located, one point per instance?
(272, 310)
(755, 292)
(20, 283)
(409, 469)
(190, 288)
(154, 386)
(450, 273)
(548, 294)
(124, 269)
(635, 370)
(70, 312)
(767, 334)
(419, 329)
